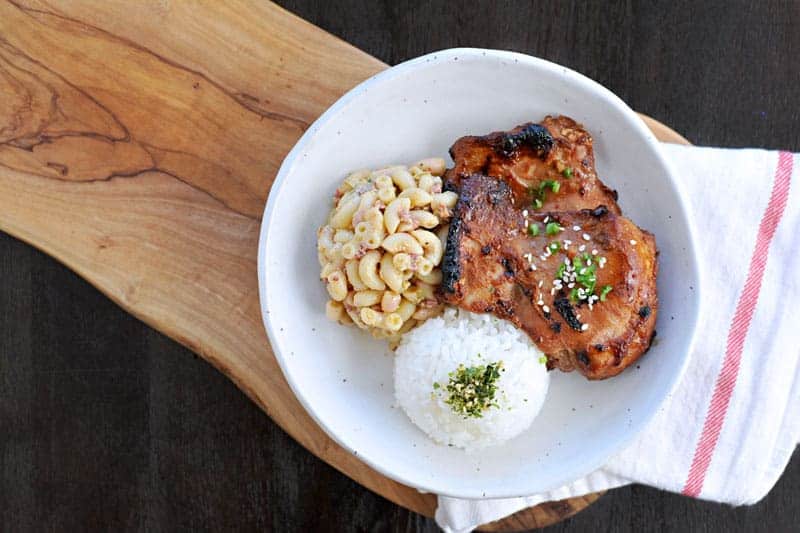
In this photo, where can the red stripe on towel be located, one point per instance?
(726, 380)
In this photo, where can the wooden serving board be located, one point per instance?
(142, 158)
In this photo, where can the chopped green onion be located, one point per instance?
(555, 246)
(561, 271)
(542, 360)
(604, 291)
(541, 193)
(436, 385)
(533, 229)
(585, 275)
(552, 228)
(553, 185)
(573, 294)
(567, 172)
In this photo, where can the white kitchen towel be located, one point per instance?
(732, 423)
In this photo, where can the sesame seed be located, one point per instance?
(533, 266)
(584, 327)
(541, 282)
(582, 247)
(633, 243)
(586, 237)
(594, 252)
(546, 219)
(582, 271)
(567, 241)
(591, 305)
(540, 302)
(576, 228)
(552, 291)
(524, 212)
(570, 285)
(578, 316)
(588, 262)
(546, 309)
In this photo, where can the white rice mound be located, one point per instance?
(432, 350)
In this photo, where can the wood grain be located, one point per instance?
(142, 158)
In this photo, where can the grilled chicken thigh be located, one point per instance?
(549, 165)
(582, 285)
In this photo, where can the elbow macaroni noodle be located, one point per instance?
(381, 249)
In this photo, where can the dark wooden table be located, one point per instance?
(106, 425)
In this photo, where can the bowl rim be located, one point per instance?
(579, 468)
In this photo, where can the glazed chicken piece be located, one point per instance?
(549, 166)
(582, 284)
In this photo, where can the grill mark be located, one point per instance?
(451, 263)
(534, 135)
(566, 310)
(509, 268)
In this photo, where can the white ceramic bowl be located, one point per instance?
(344, 378)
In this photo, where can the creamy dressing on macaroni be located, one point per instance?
(382, 245)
